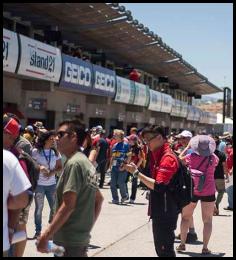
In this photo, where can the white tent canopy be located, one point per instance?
(220, 119)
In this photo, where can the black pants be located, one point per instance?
(164, 237)
(134, 188)
(102, 170)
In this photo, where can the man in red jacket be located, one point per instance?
(162, 208)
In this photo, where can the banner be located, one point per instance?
(197, 113)
(166, 103)
(191, 113)
(39, 60)
(38, 103)
(176, 107)
(183, 109)
(125, 90)
(10, 51)
(155, 100)
(76, 74)
(141, 94)
(104, 81)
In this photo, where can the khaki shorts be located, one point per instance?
(220, 184)
(24, 214)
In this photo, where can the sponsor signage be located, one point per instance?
(10, 51)
(38, 104)
(183, 109)
(197, 113)
(125, 90)
(176, 107)
(104, 81)
(191, 113)
(76, 74)
(166, 103)
(71, 108)
(39, 60)
(155, 101)
(141, 94)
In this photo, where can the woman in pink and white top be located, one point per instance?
(202, 163)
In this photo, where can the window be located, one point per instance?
(22, 29)
(8, 24)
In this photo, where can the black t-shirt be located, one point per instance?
(102, 155)
(219, 171)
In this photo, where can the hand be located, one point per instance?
(42, 244)
(131, 167)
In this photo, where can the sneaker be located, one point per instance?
(228, 208)
(191, 238)
(131, 201)
(115, 201)
(124, 199)
(36, 235)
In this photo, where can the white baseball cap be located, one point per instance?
(185, 133)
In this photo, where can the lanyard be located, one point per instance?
(48, 160)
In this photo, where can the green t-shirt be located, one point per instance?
(79, 176)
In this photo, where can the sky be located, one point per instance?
(202, 33)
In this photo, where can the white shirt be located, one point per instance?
(15, 182)
(47, 159)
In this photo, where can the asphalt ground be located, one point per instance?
(125, 230)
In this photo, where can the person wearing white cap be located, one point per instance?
(184, 138)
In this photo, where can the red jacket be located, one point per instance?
(163, 167)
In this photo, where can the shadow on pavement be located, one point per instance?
(192, 243)
(221, 215)
(139, 203)
(93, 246)
(191, 254)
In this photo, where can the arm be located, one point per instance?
(149, 182)
(19, 201)
(140, 159)
(226, 171)
(60, 218)
(93, 155)
(57, 168)
(98, 205)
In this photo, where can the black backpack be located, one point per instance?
(32, 167)
(181, 186)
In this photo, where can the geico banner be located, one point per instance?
(176, 107)
(104, 81)
(141, 94)
(39, 60)
(183, 109)
(125, 90)
(155, 100)
(191, 113)
(76, 74)
(10, 51)
(166, 103)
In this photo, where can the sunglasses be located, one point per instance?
(150, 139)
(60, 134)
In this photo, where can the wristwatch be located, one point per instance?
(136, 173)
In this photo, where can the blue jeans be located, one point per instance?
(229, 191)
(118, 178)
(40, 193)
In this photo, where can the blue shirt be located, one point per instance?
(221, 147)
(119, 153)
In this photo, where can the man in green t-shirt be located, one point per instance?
(78, 199)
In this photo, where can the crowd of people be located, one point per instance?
(69, 165)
